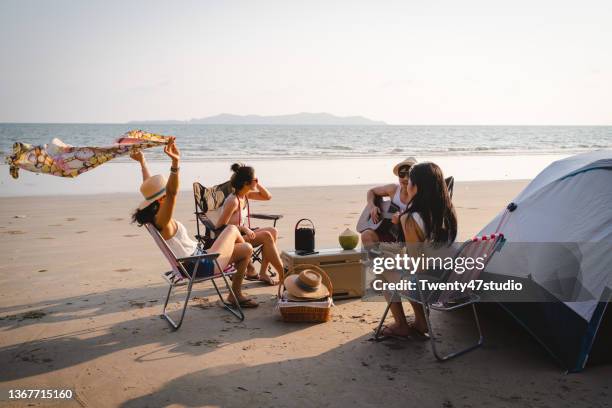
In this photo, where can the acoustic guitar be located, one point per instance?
(384, 224)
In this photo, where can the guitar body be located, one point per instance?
(384, 224)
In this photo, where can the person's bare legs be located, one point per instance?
(264, 262)
(232, 248)
(224, 245)
(267, 239)
(258, 240)
(369, 237)
(240, 258)
(401, 327)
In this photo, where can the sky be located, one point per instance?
(443, 62)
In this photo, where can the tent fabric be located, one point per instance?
(568, 204)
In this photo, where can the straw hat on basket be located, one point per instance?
(307, 285)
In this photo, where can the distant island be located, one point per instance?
(303, 118)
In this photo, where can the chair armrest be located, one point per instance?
(267, 216)
(212, 255)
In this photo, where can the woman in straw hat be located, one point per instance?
(430, 217)
(158, 210)
(400, 196)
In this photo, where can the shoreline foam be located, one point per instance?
(121, 177)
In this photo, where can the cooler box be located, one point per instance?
(343, 267)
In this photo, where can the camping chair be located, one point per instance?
(184, 278)
(209, 199)
(446, 301)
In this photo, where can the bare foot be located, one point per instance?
(266, 278)
(243, 301)
(397, 330)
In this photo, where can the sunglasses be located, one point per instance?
(403, 174)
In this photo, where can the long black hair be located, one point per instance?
(242, 176)
(432, 201)
(146, 215)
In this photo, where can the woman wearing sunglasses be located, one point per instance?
(236, 212)
(400, 197)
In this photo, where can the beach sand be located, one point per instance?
(81, 292)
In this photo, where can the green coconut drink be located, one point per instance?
(348, 239)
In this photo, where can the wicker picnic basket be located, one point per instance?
(310, 313)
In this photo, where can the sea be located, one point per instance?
(291, 156)
(223, 142)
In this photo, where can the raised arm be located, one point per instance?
(139, 157)
(262, 193)
(166, 209)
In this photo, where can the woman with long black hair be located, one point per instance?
(429, 218)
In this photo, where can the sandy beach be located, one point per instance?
(81, 301)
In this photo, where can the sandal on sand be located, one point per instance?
(267, 280)
(419, 334)
(388, 333)
(246, 304)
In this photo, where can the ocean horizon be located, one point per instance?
(276, 142)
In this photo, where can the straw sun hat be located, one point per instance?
(306, 286)
(152, 189)
(409, 162)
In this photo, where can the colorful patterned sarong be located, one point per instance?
(62, 160)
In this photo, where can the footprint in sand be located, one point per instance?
(46, 238)
(116, 219)
(42, 270)
(56, 225)
(81, 232)
(70, 219)
(19, 216)
(14, 232)
(123, 270)
(130, 235)
(34, 314)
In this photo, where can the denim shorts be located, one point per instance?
(206, 266)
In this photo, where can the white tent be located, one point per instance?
(561, 228)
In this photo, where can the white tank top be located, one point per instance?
(180, 243)
(397, 201)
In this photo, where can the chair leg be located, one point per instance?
(432, 338)
(165, 315)
(382, 321)
(176, 325)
